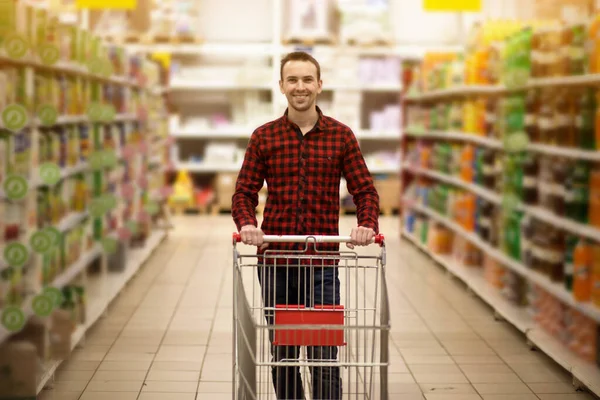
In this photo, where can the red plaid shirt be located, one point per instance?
(303, 180)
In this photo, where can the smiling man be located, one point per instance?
(302, 156)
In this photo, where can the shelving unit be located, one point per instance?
(585, 374)
(91, 190)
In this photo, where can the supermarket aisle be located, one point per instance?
(168, 335)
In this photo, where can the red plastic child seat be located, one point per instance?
(317, 315)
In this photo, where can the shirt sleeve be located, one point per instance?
(360, 184)
(249, 182)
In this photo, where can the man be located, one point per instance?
(302, 156)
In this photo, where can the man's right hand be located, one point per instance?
(253, 236)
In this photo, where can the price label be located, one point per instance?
(97, 207)
(109, 245)
(15, 187)
(53, 234)
(516, 142)
(152, 208)
(107, 68)
(40, 242)
(109, 201)
(109, 158)
(95, 112)
(95, 66)
(50, 173)
(16, 46)
(42, 305)
(16, 254)
(13, 318)
(47, 115)
(55, 295)
(96, 160)
(14, 117)
(132, 226)
(49, 53)
(510, 203)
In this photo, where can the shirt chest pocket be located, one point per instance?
(324, 166)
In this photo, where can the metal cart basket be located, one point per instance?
(310, 324)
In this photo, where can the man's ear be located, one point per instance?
(281, 87)
(320, 89)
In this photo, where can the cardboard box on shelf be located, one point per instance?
(18, 361)
(389, 192)
(225, 187)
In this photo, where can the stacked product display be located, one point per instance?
(81, 128)
(501, 178)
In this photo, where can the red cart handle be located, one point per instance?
(378, 239)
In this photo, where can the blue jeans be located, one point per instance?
(292, 286)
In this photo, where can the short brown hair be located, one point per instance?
(299, 56)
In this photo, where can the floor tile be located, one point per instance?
(176, 365)
(169, 396)
(520, 396)
(72, 375)
(477, 377)
(461, 396)
(109, 375)
(70, 386)
(52, 394)
(447, 388)
(72, 365)
(87, 395)
(177, 376)
(574, 396)
(502, 388)
(214, 387)
(170, 387)
(552, 388)
(443, 377)
(124, 366)
(114, 386)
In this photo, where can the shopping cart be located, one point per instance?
(309, 323)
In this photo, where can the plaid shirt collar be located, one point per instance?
(320, 126)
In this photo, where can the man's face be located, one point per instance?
(300, 84)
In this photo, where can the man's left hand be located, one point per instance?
(361, 236)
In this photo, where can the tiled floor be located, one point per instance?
(168, 335)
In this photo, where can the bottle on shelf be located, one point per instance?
(584, 122)
(582, 284)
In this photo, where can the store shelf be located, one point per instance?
(126, 117)
(72, 271)
(576, 228)
(557, 151)
(365, 87)
(384, 169)
(471, 187)
(459, 136)
(207, 167)
(556, 289)
(540, 213)
(464, 90)
(587, 373)
(190, 85)
(474, 279)
(216, 133)
(114, 283)
(372, 134)
(71, 220)
(565, 152)
(212, 49)
(576, 80)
